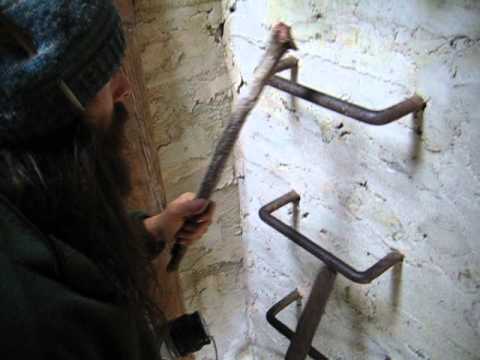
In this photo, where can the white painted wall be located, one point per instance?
(420, 193)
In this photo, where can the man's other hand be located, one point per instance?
(185, 220)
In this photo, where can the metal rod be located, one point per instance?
(373, 117)
(284, 329)
(311, 315)
(280, 42)
(361, 277)
(289, 62)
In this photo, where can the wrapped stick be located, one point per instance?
(280, 41)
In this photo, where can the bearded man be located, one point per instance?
(75, 266)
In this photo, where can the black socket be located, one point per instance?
(188, 333)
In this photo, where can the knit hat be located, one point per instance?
(78, 45)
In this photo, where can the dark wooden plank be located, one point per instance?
(148, 190)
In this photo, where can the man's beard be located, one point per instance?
(125, 259)
(111, 150)
(72, 186)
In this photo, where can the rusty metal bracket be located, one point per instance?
(413, 104)
(311, 315)
(300, 340)
(284, 329)
(333, 262)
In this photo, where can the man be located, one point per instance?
(75, 267)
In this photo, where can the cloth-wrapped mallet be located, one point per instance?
(280, 42)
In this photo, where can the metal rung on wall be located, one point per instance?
(309, 320)
(301, 339)
(373, 117)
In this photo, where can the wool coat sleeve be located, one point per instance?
(153, 247)
(56, 304)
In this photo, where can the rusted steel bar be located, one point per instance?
(311, 315)
(284, 329)
(287, 63)
(280, 42)
(361, 277)
(372, 117)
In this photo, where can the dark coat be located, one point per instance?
(56, 304)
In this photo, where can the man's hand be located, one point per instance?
(172, 226)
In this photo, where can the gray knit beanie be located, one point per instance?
(78, 45)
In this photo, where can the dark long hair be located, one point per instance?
(72, 185)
